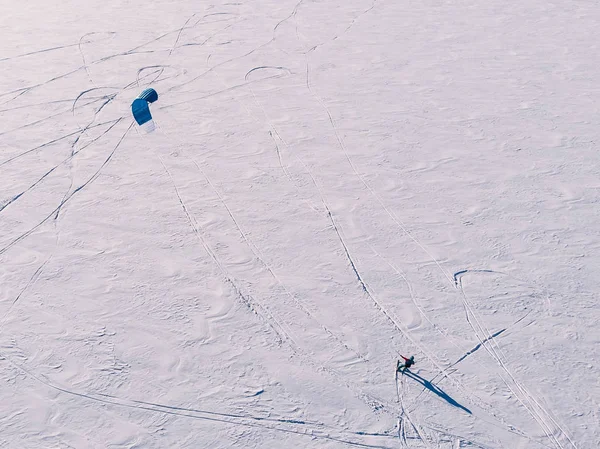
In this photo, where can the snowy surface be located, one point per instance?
(330, 184)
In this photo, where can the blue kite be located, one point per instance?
(141, 109)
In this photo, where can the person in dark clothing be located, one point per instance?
(407, 363)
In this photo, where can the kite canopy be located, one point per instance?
(140, 109)
(149, 95)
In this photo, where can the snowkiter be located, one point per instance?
(407, 363)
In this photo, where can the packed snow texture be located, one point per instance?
(330, 184)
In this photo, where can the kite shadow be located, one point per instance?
(437, 390)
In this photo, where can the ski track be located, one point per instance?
(402, 226)
(37, 122)
(34, 277)
(58, 139)
(85, 66)
(36, 52)
(345, 152)
(321, 432)
(375, 403)
(424, 438)
(50, 171)
(447, 370)
(220, 92)
(273, 133)
(405, 417)
(367, 399)
(353, 266)
(270, 319)
(330, 216)
(256, 252)
(378, 199)
(65, 200)
(28, 106)
(538, 412)
(19, 93)
(107, 100)
(280, 159)
(24, 90)
(80, 48)
(479, 329)
(443, 333)
(362, 283)
(507, 426)
(252, 247)
(357, 274)
(68, 162)
(255, 306)
(366, 11)
(413, 298)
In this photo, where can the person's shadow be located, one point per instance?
(435, 389)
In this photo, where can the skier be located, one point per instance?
(407, 363)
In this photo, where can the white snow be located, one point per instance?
(331, 184)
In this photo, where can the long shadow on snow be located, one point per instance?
(437, 390)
